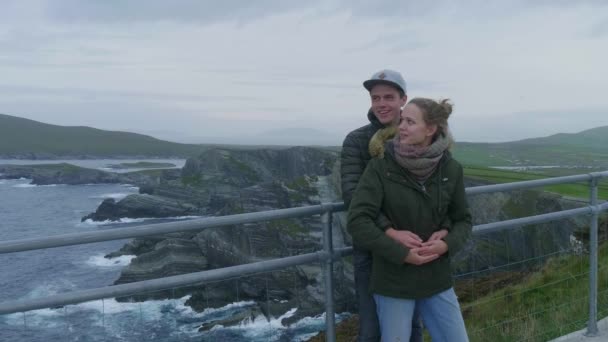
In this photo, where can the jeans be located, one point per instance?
(440, 313)
(369, 327)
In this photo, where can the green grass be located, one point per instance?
(549, 303)
(579, 190)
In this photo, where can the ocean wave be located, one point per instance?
(230, 306)
(91, 222)
(116, 196)
(24, 185)
(152, 309)
(177, 316)
(130, 186)
(30, 185)
(101, 261)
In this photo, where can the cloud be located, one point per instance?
(223, 67)
(84, 93)
(178, 11)
(599, 29)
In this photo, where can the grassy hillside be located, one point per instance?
(547, 304)
(21, 137)
(586, 148)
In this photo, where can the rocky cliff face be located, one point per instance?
(225, 181)
(524, 247)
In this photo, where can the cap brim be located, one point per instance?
(369, 84)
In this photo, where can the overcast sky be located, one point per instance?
(276, 71)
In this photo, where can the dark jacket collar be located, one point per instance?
(374, 120)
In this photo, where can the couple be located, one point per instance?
(407, 214)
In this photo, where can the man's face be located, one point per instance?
(386, 103)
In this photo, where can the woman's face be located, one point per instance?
(412, 128)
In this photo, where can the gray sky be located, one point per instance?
(276, 71)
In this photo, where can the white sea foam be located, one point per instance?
(91, 222)
(258, 328)
(30, 185)
(116, 196)
(230, 306)
(24, 185)
(111, 306)
(130, 186)
(100, 261)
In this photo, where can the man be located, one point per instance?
(387, 90)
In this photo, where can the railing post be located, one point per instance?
(328, 248)
(593, 247)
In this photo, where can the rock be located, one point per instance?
(224, 182)
(171, 256)
(142, 205)
(58, 174)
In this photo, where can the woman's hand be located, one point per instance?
(434, 247)
(405, 237)
(415, 257)
(438, 235)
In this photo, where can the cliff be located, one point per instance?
(229, 181)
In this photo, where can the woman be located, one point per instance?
(419, 187)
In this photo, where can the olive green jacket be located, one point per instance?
(386, 187)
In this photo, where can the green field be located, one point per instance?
(578, 190)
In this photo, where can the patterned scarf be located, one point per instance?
(421, 161)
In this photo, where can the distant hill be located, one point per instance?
(29, 139)
(586, 148)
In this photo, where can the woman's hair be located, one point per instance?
(434, 113)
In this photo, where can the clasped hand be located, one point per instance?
(421, 252)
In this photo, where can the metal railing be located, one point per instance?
(327, 255)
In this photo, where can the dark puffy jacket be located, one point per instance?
(387, 187)
(355, 156)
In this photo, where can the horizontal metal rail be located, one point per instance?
(22, 245)
(248, 269)
(542, 218)
(484, 189)
(182, 280)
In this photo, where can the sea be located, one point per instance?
(29, 211)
